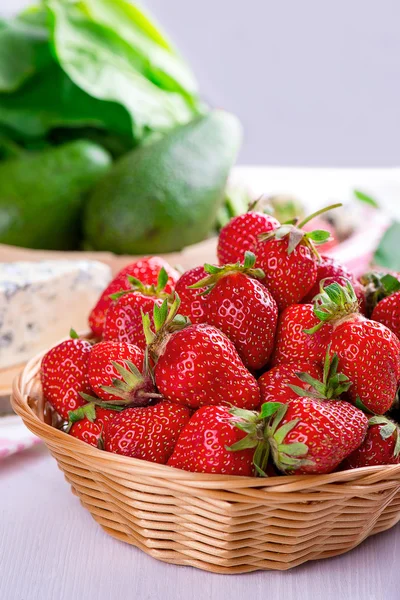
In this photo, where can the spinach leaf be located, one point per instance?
(24, 50)
(388, 252)
(107, 67)
(156, 58)
(51, 99)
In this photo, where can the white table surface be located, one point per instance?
(51, 549)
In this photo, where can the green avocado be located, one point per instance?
(41, 195)
(165, 195)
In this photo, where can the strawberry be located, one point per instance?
(192, 302)
(331, 270)
(240, 235)
(311, 436)
(387, 312)
(289, 259)
(115, 374)
(197, 364)
(88, 423)
(146, 270)
(203, 444)
(64, 374)
(124, 318)
(383, 298)
(87, 432)
(292, 344)
(242, 308)
(369, 353)
(381, 445)
(274, 384)
(149, 432)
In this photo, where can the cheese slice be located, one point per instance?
(40, 302)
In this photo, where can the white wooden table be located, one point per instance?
(51, 549)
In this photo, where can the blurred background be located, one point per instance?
(314, 83)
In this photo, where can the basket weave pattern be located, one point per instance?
(218, 523)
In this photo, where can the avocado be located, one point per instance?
(41, 194)
(165, 195)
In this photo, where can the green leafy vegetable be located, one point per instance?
(388, 252)
(24, 50)
(366, 198)
(109, 67)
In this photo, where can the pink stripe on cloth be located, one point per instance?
(14, 436)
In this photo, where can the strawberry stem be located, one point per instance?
(317, 213)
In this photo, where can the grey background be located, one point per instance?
(314, 82)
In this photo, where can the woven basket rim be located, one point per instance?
(50, 435)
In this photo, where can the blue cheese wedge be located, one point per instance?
(40, 302)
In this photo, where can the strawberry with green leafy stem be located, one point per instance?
(87, 423)
(290, 260)
(64, 374)
(368, 352)
(381, 445)
(274, 384)
(146, 270)
(292, 344)
(119, 375)
(242, 308)
(383, 299)
(192, 301)
(311, 431)
(124, 317)
(148, 433)
(196, 365)
(203, 445)
(241, 234)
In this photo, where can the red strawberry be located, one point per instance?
(115, 374)
(242, 308)
(88, 423)
(274, 384)
(192, 302)
(289, 259)
(197, 365)
(145, 270)
(149, 433)
(369, 353)
(87, 432)
(383, 298)
(64, 374)
(313, 436)
(124, 318)
(240, 235)
(292, 344)
(202, 446)
(387, 312)
(380, 447)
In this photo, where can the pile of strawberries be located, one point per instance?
(268, 363)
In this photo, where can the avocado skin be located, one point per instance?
(42, 195)
(166, 195)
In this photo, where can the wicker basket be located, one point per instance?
(217, 523)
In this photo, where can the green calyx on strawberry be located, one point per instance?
(377, 287)
(332, 386)
(147, 290)
(166, 321)
(387, 429)
(334, 303)
(295, 234)
(215, 273)
(265, 435)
